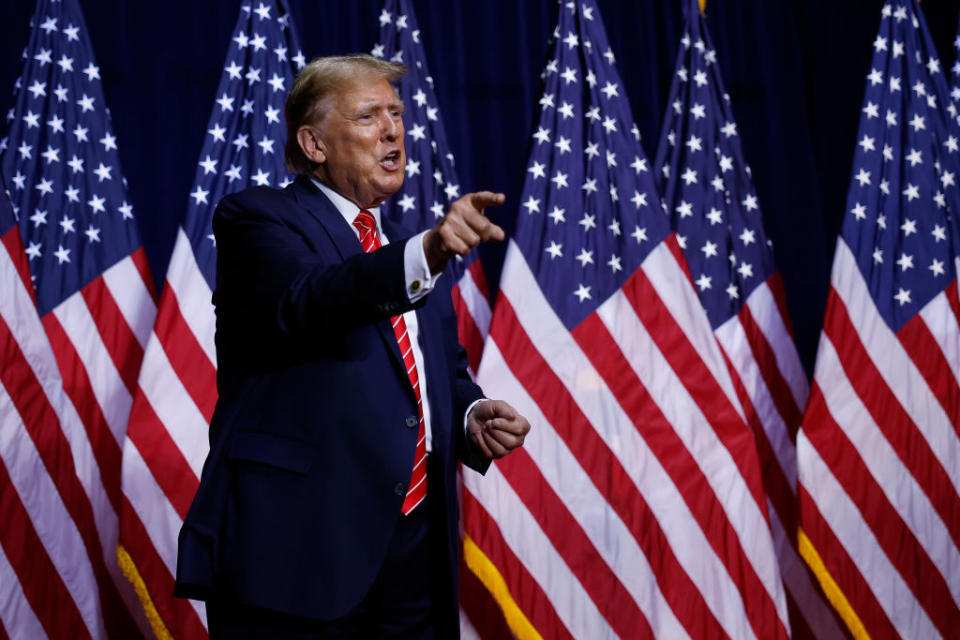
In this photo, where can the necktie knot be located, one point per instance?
(367, 226)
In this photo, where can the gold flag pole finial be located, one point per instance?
(703, 6)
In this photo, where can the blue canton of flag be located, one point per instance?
(60, 160)
(431, 183)
(247, 133)
(590, 212)
(955, 82)
(903, 194)
(706, 184)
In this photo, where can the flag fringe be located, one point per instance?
(490, 577)
(153, 616)
(830, 588)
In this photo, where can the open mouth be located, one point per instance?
(391, 161)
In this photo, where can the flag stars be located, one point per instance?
(915, 157)
(878, 256)
(233, 70)
(45, 187)
(610, 90)
(639, 234)
(272, 114)
(32, 120)
(252, 75)
(588, 222)
(103, 172)
(582, 292)
(936, 268)
(62, 255)
(38, 89)
(559, 180)
(694, 144)
(61, 93)
(859, 211)
(209, 165)
(199, 195)
(555, 250)
(407, 202)
(871, 111)
(638, 200)
(732, 291)
(266, 145)
(951, 144)
(39, 217)
(72, 193)
(25, 151)
(609, 124)
(233, 173)
(67, 224)
(43, 57)
(867, 143)
(413, 168)
(51, 154)
(556, 214)
(863, 177)
(225, 102)
(918, 122)
(418, 132)
(97, 204)
(72, 33)
(689, 176)
(276, 82)
(939, 233)
(614, 264)
(537, 169)
(240, 142)
(709, 249)
(33, 250)
(93, 72)
(542, 135)
(729, 129)
(745, 270)
(614, 228)
(451, 191)
(912, 192)
(684, 209)
(908, 227)
(946, 179)
(750, 202)
(126, 211)
(571, 40)
(258, 42)
(108, 141)
(76, 164)
(532, 204)
(639, 164)
(569, 75)
(563, 145)
(592, 150)
(566, 110)
(905, 261)
(56, 124)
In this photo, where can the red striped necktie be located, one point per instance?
(370, 241)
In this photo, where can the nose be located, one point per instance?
(390, 127)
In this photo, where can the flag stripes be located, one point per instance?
(559, 366)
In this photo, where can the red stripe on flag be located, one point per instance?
(704, 389)
(14, 246)
(842, 569)
(898, 542)
(479, 278)
(953, 300)
(604, 469)
(775, 284)
(187, 357)
(766, 359)
(467, 330)
(139, 259)
(570, 540)
(119, 339)
(162, 456)
(928, 357)
(178, 615)
(41, 582)
(890, 417)
(77, 385)
(524, 590)
(43, 427)
(774, 480)
(597, 343)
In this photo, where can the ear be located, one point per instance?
(311, 144)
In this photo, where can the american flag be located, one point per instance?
(879, 448)
(176, 392)
(636, 507)
(708, 192)
(431, 183)
(93, 310)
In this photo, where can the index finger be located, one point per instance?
(480, 200)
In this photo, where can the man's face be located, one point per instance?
(362, 138)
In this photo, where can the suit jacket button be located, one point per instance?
(412, 421)
(400, 489)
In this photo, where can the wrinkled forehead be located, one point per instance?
(368, 90)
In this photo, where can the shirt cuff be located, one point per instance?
(466, 414)
(416, 271)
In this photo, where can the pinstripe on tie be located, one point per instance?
(370, 241)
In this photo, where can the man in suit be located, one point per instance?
(327, 506)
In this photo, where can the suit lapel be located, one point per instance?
(345, 240)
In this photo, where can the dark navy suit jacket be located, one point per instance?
(313, 437)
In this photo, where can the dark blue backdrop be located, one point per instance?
(795, 72)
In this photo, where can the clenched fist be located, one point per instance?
(496, 428)
(463, 228)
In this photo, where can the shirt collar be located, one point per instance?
(347, 208)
